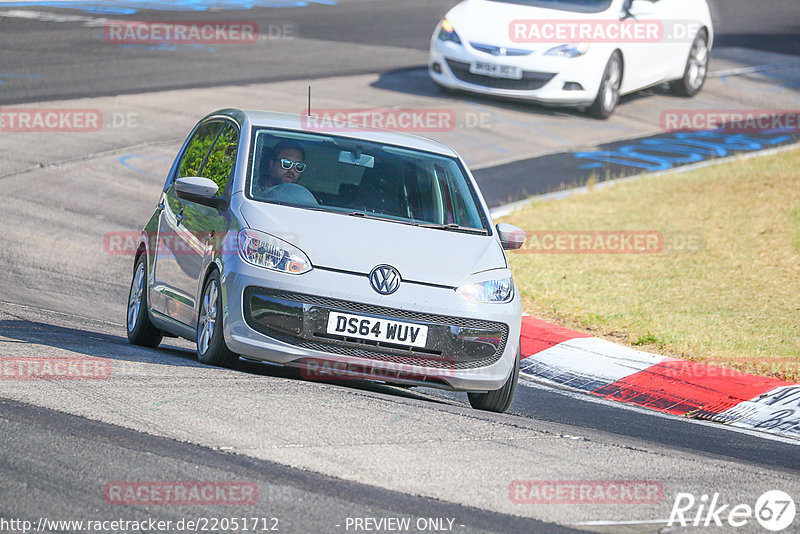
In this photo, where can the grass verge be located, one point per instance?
(721, 285)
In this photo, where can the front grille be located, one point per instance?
(499, 50)
(411, 357)
(371, 309)
(457, 342)
(530, 81)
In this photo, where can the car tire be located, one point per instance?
(608, 94)
(141, 331)
(694, 74)
(498, 400)
(211, 347)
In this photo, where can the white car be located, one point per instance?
(583, 53)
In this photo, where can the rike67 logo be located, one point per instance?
(774, 510)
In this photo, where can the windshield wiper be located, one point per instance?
(365, 215)
(453, 227)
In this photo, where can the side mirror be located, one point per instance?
(200, 190)
(511, 237)
(637, 8)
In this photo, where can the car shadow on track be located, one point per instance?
(101, 345)
(781, 43)
(415, 81)
(292, 373)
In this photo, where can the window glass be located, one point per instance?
(219, 165)
(362, 178)
(584, 6)
(198, 148)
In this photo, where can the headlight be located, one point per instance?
(447, 32)
(263, 250)
(568, 50)
(498, 290)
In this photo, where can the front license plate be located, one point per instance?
(384, 330)
(495, 70)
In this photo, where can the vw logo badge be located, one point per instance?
(384, 279)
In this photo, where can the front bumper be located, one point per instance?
(464, 352)
(545, 78)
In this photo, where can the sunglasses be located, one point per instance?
(287, 164)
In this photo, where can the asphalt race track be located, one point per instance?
(321, 455)
(54, 60)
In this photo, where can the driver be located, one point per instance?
(286, 164)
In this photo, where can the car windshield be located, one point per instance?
(362, 179)
(579, 6)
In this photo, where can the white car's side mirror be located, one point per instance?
(639, 8)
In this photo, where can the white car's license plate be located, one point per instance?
(384, 330)
(495, 70)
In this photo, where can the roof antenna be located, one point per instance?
(308, 112)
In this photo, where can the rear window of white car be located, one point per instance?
(578, 6)
(361, 178)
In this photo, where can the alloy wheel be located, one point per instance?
(611, 84)
(135, 297)
(698, 63)
(208, 317)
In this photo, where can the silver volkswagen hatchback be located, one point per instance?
(346, 252)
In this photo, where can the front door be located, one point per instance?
(186, 228)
